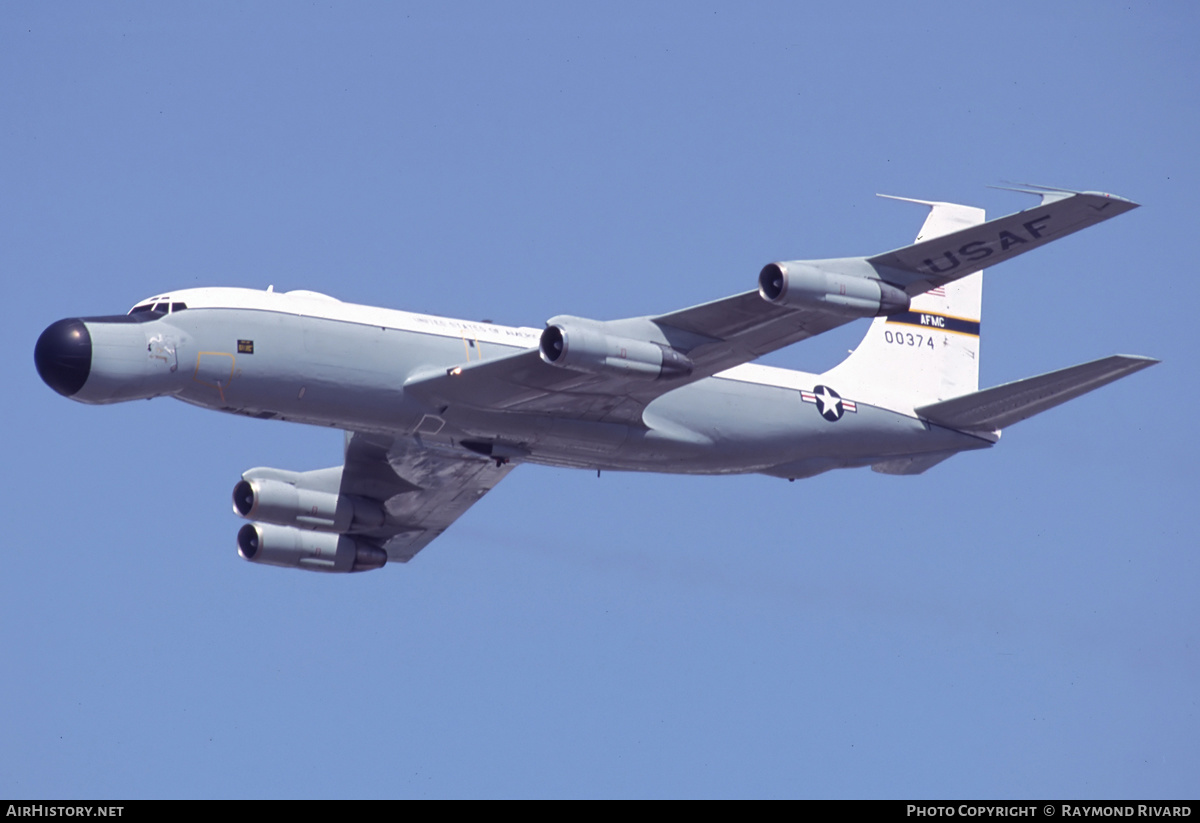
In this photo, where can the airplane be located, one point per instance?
(437, 411)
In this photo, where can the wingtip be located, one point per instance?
(1051, 193)
(1141, 360)
(1129, 203)
(1133, 363)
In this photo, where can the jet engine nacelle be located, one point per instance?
(288, 504)
(583, 348)
(301, 549)
(803, 285)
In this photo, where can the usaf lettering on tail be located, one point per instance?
(979, 250)
(437, 411)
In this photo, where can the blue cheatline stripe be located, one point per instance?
(936, 322)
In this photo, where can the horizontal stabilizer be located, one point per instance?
(995, 408)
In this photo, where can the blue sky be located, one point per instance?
(1015, 623)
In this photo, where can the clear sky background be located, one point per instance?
(1018, 623)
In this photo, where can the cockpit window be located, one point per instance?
(158, 307)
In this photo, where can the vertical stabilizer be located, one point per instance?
(930, 352)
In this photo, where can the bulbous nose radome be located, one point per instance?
(63, 356)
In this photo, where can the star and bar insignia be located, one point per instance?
(829, 403)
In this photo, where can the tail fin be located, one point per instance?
(930, 352)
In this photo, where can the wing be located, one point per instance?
(424, 487)
(712, 337)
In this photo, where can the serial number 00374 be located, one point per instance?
(907, 338)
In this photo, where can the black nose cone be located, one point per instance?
(64, 356)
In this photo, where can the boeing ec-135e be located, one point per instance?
(437, 411)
